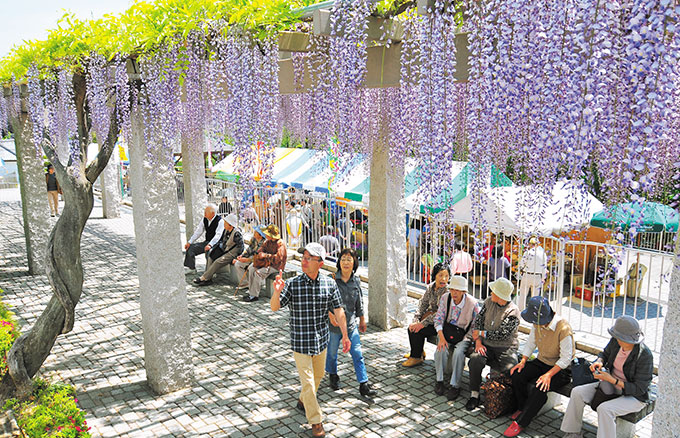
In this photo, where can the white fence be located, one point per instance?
(589, 283)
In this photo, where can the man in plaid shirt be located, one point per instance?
(310, 297)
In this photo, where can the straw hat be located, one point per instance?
(272, 231)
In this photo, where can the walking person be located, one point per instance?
(350, 290)
(53, 190)
(423, 321)
(553, 337)
(310, 296)
(630, 364)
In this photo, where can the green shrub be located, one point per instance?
(51, 411)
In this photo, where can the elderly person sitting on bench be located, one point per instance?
(270, 259)
(229, 246)
(242, 262)
(458, 309)
(532, 379)
(625, 386)
(494, 336)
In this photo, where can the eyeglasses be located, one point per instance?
(310, 259)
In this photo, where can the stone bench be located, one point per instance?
(625, 425)
(268, 288)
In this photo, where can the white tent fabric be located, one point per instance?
(529, 210)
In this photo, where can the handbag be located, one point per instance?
(452, 333)
(580, 372)
(498, 396)
(601, 397)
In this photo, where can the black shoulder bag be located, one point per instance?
(452, 333)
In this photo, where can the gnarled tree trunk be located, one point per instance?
(63, 262)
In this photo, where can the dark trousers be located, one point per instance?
(501, 359)
(417, 340)
(530, 399)
(194, 250)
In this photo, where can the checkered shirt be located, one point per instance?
(309, 302)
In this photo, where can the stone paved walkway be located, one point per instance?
(245, 378)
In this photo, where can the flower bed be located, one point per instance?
(51, 409)
(8, 333)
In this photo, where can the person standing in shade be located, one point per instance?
(532, 379)
(53, 190)
(423, 320)
(350, 290)
(631, 365)
(310, 296)
(459, 308)
(494, 337)
(532, 266)
(213, 227)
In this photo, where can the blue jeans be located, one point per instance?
(355, 351)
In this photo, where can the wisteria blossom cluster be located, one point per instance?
(567, 88)
(582, 90)
(4, 115)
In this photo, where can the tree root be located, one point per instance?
(17, 369)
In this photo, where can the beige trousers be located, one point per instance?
(53, 200)
(311, 370)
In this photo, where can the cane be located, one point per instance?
(239, 282)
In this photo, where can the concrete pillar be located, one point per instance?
(386, 243)
(666, 413)
(34, 207)
(193, 169)
(110, 185)
(163, 299)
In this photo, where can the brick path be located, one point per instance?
(245, 378)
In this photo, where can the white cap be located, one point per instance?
(314, 249)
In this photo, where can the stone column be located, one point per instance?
(163, 299)
(110, 184)
(666, 413)
(34, 207)
(193, 169)
(386, 243)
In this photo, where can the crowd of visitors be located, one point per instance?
(326, 313)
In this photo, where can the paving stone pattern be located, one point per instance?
(245, 382)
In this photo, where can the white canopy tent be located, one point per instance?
(530, 210)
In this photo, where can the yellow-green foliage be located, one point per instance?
(144, 27)
(147, 26)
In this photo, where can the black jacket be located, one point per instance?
(638, 368)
